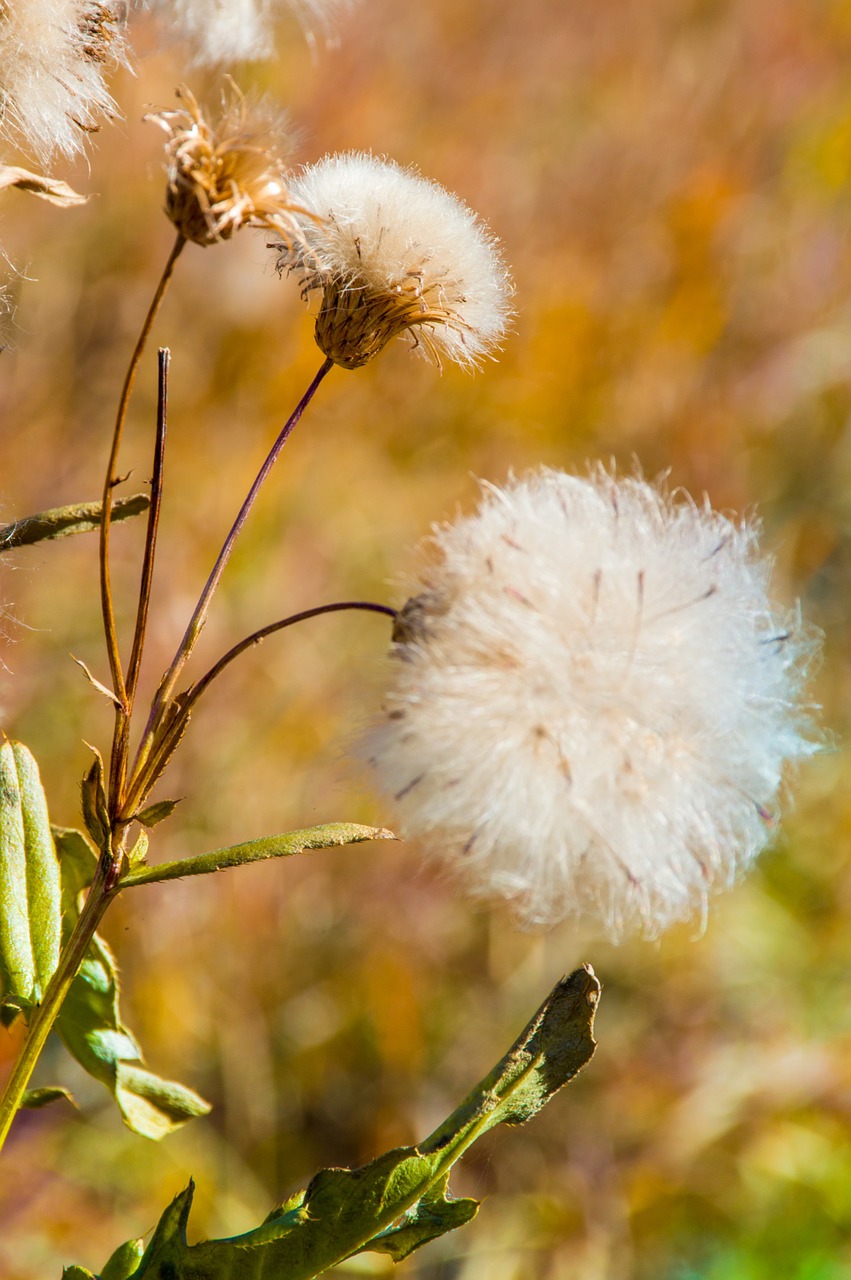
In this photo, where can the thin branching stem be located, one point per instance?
(164, 358)
(170, 738)
(256, 637)
(110, 479)
(120, 746)
(148, 747)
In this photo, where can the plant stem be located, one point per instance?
(140, 774)
(257, 637)
(123, 711)
(102, 890)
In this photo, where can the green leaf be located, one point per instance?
(432, 1216)
(95, 809)
(399, 1201)
(124, 1261)
(30, 920)
(156, 812)
(237, 855)
(90, 1025)
(35, 1099)
(78, 861)
(59, 522)
(137, 855)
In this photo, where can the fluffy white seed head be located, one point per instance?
(53, 54)
(592, 701)
(394, 254)
(221, 32)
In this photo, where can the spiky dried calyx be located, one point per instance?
(224, 174)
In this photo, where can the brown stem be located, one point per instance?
(168, 741)
(110, 479)
(148, 746)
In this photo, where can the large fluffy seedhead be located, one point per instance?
(226, 174)
(592, 701)
(53, 54)
(392, 255)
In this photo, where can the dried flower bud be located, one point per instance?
(223, 175)
(394, 255)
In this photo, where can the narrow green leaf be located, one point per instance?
(90, 1025)
(156, 812)
(399, 1201)
(95, 810)
(35, 1099)
(78, 1273)
(29, 880)
(43, 883)
(237, 855)
(59, 522)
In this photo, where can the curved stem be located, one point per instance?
(257, 637)
(199, 616)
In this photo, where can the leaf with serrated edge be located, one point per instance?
(237, 855)
(156, 813)
(344, 1211)
(30, 913)
(89, 1021)
(432, 1216)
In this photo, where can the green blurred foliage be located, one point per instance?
(672, 184)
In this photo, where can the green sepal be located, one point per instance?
(90, 1025)
(93, 795)
(35, 1099)
(137, 855)
(237, 855)
(156, 812)
(59, 522)
(348, 1211)
(30, 893)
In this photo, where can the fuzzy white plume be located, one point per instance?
(592, 701)
(53, 54)
(397, 255)
(221, 32)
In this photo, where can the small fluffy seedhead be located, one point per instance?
(53, 54)
(593, 700)
(394, 254)
(223, 175)
(222, 32)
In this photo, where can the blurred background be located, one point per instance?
(672, 184)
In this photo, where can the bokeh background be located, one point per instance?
(672, 184)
